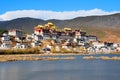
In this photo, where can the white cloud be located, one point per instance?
(45, 14)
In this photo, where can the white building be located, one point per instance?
(5, 38)
(115, 45)
(98, 45)
(5, 46)
(118, 49)
(37, 37)
(57, 48)
(20, 46)
(15, 32)
(18, 39)
(29, 38)
(34, 44)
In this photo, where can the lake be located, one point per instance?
(77, 69)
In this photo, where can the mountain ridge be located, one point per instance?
(95, 25)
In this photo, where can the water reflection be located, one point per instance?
(78, 69)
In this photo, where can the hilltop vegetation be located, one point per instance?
(105, 27)
(2, 31)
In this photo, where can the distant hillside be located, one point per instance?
(26, 24)
(105, 27)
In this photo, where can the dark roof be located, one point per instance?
(65, 37)
(91, 36)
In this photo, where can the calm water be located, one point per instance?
(77, 69)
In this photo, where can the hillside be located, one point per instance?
(105, 27)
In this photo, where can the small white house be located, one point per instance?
(34, 44)
(115, 45)
(118, 49)
(46, 37)
(91, 50)
(20, 46)
(37, 37)
(5, 46)
(80, 43)
(105, 50)
(48, 46)
(5, 38)
(29, 38)
(15, 32)
(75, 40)
(98, 45)
(57, 48)
(65, 47)
(18, 39)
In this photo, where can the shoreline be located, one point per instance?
(53, 54)
(37, 57)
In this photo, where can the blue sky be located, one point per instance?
(58, 5)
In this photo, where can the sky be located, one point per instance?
(56, 9)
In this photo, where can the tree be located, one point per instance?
(3, 31)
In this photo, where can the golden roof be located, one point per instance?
(39, 26)
(49, 23)
(67, 29)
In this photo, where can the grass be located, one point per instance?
(101, 58)
(94, 31)
(69, 50)
(38, 50)
(35, 50)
